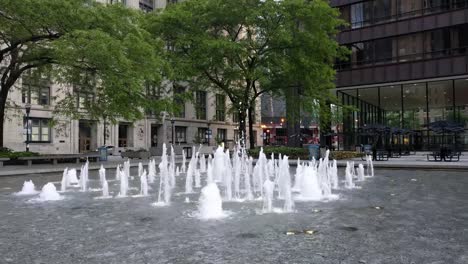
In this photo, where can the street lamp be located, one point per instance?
(28, 110)
(173, 132)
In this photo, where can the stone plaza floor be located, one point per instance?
(422, 218)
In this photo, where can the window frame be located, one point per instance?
(43, 123)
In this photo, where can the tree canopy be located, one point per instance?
(87, 47)
(248, 47)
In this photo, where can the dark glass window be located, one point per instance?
(221, 135)
(414, 106)
(200, 105)
(180, 134)
(124, 135)
(220, 107)
(202, 135)
(35, 91)
(179, 101)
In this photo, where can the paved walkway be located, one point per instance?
(418, 161)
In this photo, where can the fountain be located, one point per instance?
(105, 189)
(49, 193)
(72, 180)
(370, 166)
(247, 180)
(126, 169)
(172, 180)
(28, 189)
(151, 171)
(140, 169)
(360, 174)
(143, 184)
(209, 173)
(84, 176)
(218, 164)
(102, 174)
(349, 184)
(189, 176)
(177, 171)
(310, 188)
(268, 189)
(210, 203)
(298, 177)
(123, 184)
(164, 181)
(117, 172)
(197, 179)
(333, 170)
(227, 179)
(202, 164)
(184, 161)
(64, 182)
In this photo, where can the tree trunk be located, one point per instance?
(3, 99)
(325, 125)
(242, 126)
(251, 133)
(293, 117)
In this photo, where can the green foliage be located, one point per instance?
(89, 47)
(8, 153)
(248, 47)
(292, 153)
(343, 155)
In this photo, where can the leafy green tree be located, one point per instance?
(88, 47)
(248, 47)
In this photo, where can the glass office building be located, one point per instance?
(408, 67)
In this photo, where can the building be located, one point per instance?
(274, 125)
(408, 67)
(206, 121)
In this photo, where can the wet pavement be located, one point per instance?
(422, 217)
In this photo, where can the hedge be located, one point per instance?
(301, 153)
(8, 153)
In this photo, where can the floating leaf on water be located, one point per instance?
(349, 228)
(378, 207)
(317, 211)
(414, 180)
(310, 232)
(290, 233)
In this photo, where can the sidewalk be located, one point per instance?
(417, 161)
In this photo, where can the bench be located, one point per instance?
(56, 158)
(2, 160)
(382, 155)
(434, 156)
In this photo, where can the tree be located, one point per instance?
(248, 47)
(88, 47)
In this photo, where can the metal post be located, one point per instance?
(104, 131)
(28, 110)
(173, 131)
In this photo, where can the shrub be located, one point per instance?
(292, 153)
(8, 153)
(340, 155)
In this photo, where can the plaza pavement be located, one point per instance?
(417, 161)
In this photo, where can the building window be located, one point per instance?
(235, 117)
(39, 130)
(220, 107)
(179, 101)
(221, 135)
(123, 135)
(201, 135)
(35, 91)
(181, 134)
(200, 105)
(84, 99)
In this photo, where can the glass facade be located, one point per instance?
(405, 107)
(445, 42)
(368, 13)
